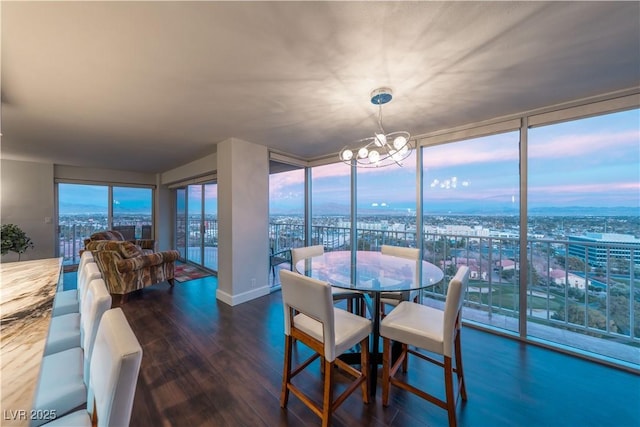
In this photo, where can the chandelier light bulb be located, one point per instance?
(363, 153)
(380, 139)
(399, 142)
(374, 156)
(404, 150)
(347, 155)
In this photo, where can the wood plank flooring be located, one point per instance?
(208, 364)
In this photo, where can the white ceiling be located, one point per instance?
(149, 86)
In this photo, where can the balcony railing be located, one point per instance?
(564, 291)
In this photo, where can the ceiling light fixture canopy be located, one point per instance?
(381, 149)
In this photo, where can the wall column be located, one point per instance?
(243, 221)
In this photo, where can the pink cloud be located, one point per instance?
(587, 188)
(572, 145)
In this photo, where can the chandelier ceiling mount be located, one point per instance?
(381, 149)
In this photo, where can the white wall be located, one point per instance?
(189, 172)
(27, 200)
(243, 221)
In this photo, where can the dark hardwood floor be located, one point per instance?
(207, 364)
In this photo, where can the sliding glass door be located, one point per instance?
(471, 214)
(197, 224)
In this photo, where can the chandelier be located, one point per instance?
(381, 149)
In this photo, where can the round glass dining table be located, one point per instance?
(373, 274)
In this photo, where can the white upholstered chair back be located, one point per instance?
(96, 302)
(115, 365)
(85, 258)
(402, 252)
(452, 307)
(90, 272)
(311, 298)
(306, 252)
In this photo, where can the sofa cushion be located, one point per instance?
(107, 235)
(129, 250)
(123, 248)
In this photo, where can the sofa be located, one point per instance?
(125, 268)
(146, 245)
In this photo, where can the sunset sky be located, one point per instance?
(588, 163)
(593, 162)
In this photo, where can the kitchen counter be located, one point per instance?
(27, 290)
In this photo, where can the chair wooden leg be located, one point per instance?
(386, 369)
(327, 405)
(364, 368)
(171, 281)
(405, 361)
(286, 372)
(450, 397)
(459, 370)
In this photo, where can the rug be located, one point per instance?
(185, 272)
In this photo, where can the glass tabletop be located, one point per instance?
(370, 271)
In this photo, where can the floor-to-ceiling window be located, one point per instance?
(181, 222)
(210, 226)
(197, 224)
(286, 209)
(508, 199)
(471, 217)
(133, 208)
(584, 228)
(286, 216)
(386, 206)
(331, 206)
(84, 209)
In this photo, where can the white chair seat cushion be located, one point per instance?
(65, 302)
(415, 324)
(75, 419)
(64, 333)
(350, 329)
(61, 384)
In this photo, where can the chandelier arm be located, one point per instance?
(380, 118)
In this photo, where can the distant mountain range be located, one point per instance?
(469, 209)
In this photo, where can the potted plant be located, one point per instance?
(14, 240)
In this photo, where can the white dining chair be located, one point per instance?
(63, 379)
(339, 294)
(115, 365)
(394, 298)
(65, 330)
(434, 330)
(68, 301)
(311, 318)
